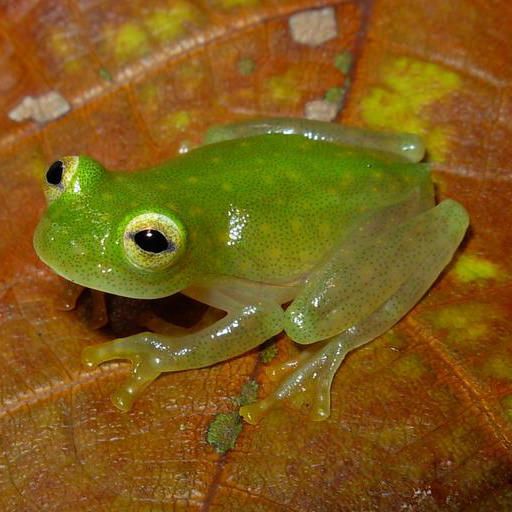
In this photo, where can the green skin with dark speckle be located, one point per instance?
(349, 234)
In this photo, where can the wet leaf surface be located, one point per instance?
(421, 417)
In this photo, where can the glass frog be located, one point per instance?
(338, 222)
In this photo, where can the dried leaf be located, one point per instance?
(421, 418)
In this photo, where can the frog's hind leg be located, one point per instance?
(360, 293)
(405, 145)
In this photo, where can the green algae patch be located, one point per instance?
(268, 353)
(409, 86)
(246, 66)
(335, 95)
(224, 430)
(105, 74)
(248, 394)
(343, 62)
(470, 268)
(225, 427)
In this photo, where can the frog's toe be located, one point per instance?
(253, 413)
(123, 348)
(142, 375)
(143, 371)
(97, 354)
(308, 384)
(321, 406)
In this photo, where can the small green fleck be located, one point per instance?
(105, 74)
(246, 66)
(224, 430)
(343, 62)
(471, 268)
(269, 353)
(248, 394)
(335, 95)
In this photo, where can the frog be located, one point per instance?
(325, 232)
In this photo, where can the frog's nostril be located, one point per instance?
(54, 173)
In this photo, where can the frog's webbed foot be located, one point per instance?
(310, 382)
(151, 354)
(145, 366)
(399, 267)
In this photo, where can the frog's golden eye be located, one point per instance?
(153, 241)
(59, 175)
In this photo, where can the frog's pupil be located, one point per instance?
(54, 173)
(151, 240)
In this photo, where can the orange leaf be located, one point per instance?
(421, 418)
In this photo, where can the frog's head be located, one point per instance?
(105, 231)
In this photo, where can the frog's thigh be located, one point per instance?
(405, 145)
(243, 328)
(361, 276)
(420, 249)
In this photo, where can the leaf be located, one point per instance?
(421, 418)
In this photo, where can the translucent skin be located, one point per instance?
(349, 234)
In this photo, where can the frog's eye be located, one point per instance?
(153, 241)
(59, 175)
(55, 172)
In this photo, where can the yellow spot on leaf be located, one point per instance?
(130, 41)
(246, 66)
(465, 323)
(169, 24)
(409, 86)
(283, 89)
(179, 120)
(63, 48)
(499, 367)
(471, 268)
(410, 366)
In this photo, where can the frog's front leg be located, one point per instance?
(371, 282)
(405, 145)
(243, 328)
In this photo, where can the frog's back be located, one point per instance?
(268, 208)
